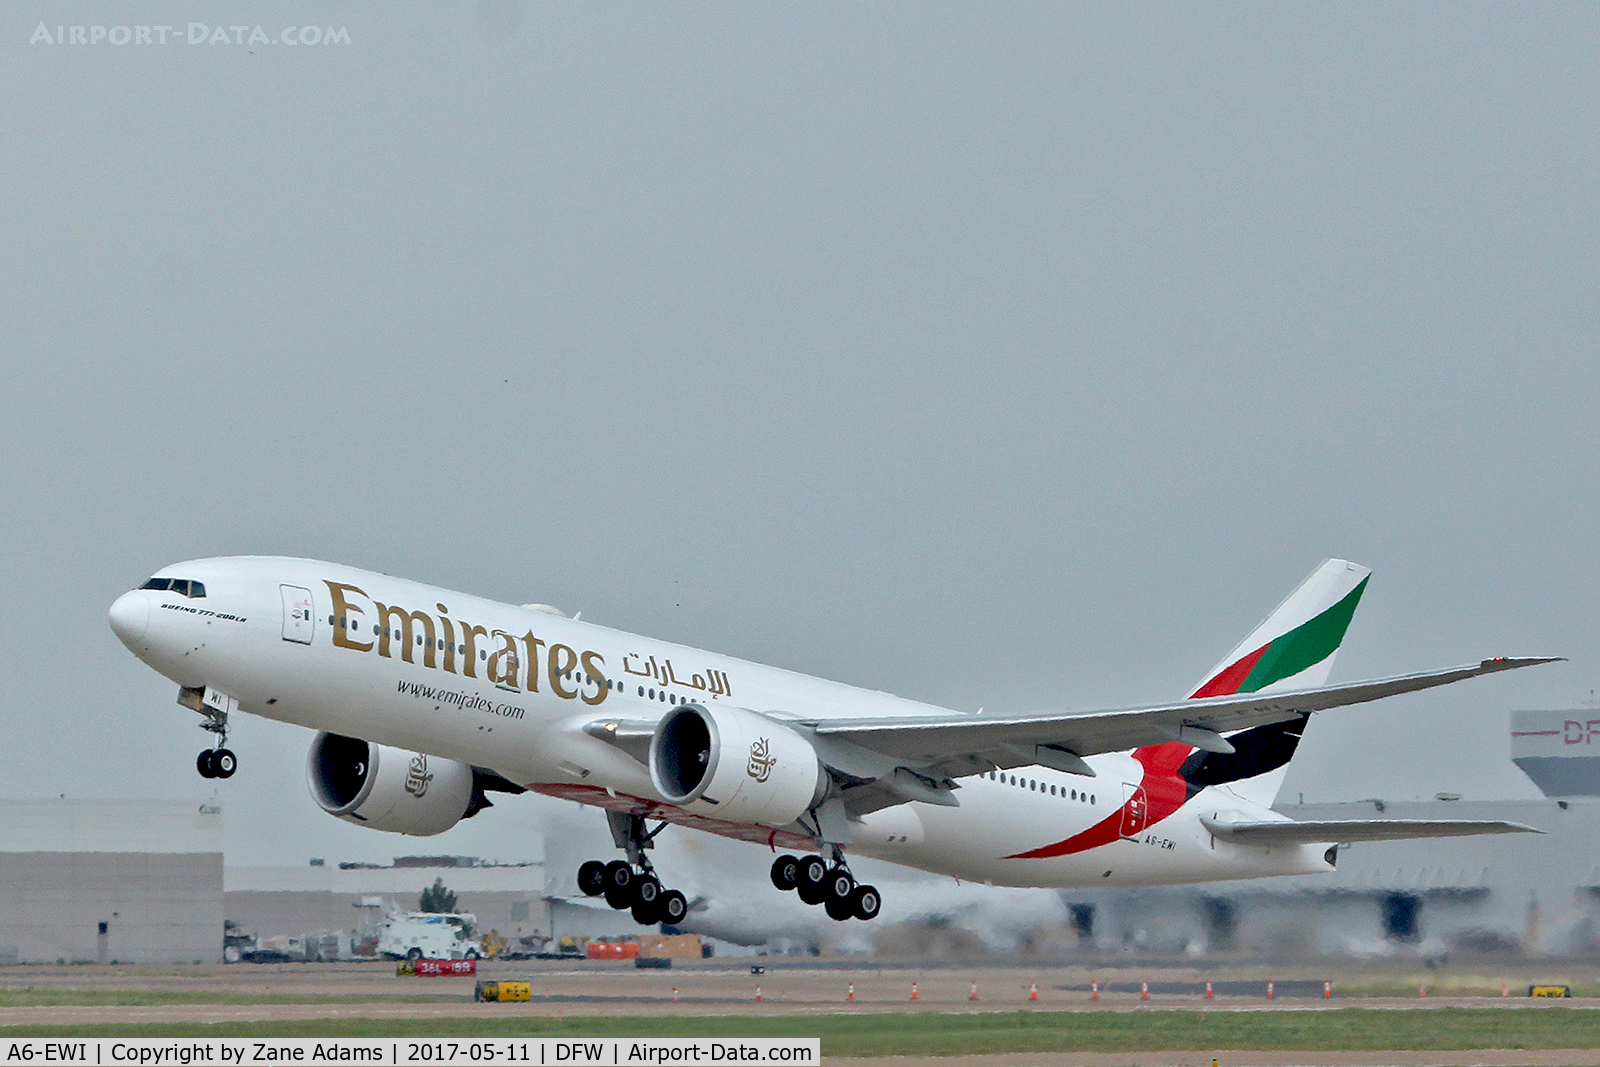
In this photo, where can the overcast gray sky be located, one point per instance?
(1006, 355)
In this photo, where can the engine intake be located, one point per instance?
(385, 788)
(733, 764)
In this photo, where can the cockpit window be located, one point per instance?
(182, 586)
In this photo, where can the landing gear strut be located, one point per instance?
(218, 761)
(832, 885)
(631, 884)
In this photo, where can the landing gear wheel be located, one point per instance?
(839, 884)
(223, 763)
(592, 878)
(618, 875)
(865, 902)
(646, 914)
(646, 891)
(785, 872)
(203, 764)
(673, 907)
(812, 885)
(414, 954)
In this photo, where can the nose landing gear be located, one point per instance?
(216, 763)
(219, 761)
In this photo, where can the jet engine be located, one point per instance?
(733, 764)
(385, 788)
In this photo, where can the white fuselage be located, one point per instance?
(511, 689)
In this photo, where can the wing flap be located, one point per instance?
(1341, 830)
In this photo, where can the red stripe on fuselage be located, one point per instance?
(654, 809)
(1162, 791)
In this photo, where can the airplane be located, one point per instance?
(426, 700)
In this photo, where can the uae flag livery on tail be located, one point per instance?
(1294, 647)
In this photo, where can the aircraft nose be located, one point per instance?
(130, 617)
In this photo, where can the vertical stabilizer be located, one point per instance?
(1292, 649)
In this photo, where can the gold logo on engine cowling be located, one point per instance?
(761, 760)
(417, 777)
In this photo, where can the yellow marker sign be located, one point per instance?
(499, 991)
(1549, 991)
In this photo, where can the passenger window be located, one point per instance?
(641, 690)
(330, 620)
(483, 653)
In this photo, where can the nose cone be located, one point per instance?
(130, 617)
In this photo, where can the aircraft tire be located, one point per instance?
(812, 886)
(647, 914)
(865, 902)
(840, 884)
(224, 763)
(618, 875)
(674, 907)
(646, 890)
(785, 872)
(203, 764)
(592, 878)
(620, 899)
(838, 910)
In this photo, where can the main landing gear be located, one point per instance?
(818, 882)
(631, 884)
(638, 891)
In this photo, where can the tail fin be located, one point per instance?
(1292, 649)
(1295, 646)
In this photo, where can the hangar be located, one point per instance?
(130, 881)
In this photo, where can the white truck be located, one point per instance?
(419, 935)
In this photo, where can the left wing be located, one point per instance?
(1342, 830)
(1198, 722)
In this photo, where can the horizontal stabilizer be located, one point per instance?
(1342, 830)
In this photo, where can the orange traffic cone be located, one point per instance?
(913, 991)
(1327, 990)
(1094, 990)
(674, 994)
(1208, 989)
(758, 994)
(1269, 989)
(851, 995)
(1033, 990)
(974, 994)
(1144, 990)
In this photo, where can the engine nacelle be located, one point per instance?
(733, 764)
(385, 788)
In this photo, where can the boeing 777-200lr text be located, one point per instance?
(426, 700)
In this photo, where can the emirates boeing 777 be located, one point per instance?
(425, 700)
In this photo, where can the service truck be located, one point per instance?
(429, 935)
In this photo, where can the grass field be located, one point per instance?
(973, 1033)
